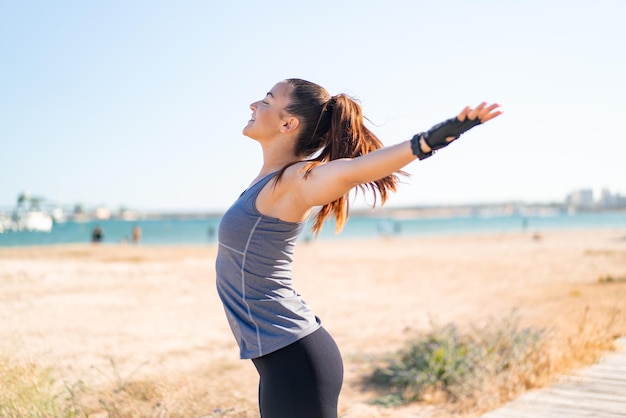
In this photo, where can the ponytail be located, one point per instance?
(333, 128)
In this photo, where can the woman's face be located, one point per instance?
(268, 114)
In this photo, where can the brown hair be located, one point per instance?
(332, 127)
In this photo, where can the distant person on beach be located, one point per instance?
(97, 235)
(136, 236)
(211, 232)
(316, 150)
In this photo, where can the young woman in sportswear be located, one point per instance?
(316, 149)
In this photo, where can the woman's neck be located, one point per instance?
(275, 157)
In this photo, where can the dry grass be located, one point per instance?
(467, 372)
(609, 278)
(512, 359)
(556, 353)
(29, 390)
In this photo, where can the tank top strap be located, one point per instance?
(254, 189)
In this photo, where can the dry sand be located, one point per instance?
(104, 313)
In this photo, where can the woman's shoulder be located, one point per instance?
(302, 169)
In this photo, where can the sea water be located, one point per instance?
(203, 231)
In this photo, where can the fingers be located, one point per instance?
(489, 113)
(464, 113)
(475, 113)
(490, 116)
(492, 107)
(482, 112)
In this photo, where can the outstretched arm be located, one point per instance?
(327, 182)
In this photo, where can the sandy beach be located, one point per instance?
(102, 314)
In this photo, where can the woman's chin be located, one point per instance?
(247, 132)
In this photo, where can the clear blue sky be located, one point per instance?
(141, 103)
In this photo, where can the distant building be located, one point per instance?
(583, 199)
(610, 200)
(580, 200)
(607, 199)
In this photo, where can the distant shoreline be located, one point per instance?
(400, 212)
(421, 212)
(382, 223)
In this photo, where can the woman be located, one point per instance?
(315, 151)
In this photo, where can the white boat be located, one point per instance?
(5, 223)
(32, 220)
(27, 215)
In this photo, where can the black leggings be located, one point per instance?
(301, 380)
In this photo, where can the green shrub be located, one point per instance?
(455, 364)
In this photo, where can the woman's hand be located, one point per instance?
(482, 112)
(442, 134)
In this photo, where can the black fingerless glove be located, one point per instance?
(436, 136)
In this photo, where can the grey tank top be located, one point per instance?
(253, 273)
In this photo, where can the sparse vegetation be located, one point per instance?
(482, 366)
(465, 370)
(27, 390)
(451, 365)
(610, 278)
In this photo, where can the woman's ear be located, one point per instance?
(290, 124)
